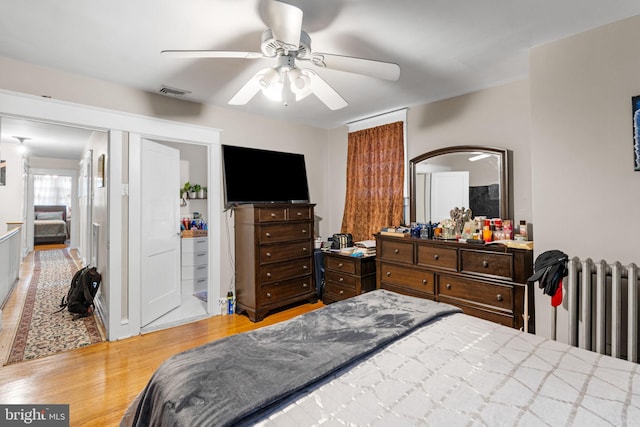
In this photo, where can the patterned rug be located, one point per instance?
(41, 331)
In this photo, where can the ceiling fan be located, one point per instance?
(287, 43)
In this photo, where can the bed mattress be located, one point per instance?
(461, 371)
(387, 359)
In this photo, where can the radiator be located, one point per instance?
(602, 300)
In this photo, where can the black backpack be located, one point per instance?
(84, 286)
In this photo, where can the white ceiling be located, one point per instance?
(444, 47)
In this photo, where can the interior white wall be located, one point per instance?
(585, 190)
(11, 202)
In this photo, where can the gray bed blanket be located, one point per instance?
(230, 380)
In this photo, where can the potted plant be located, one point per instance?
(184, 191)
(197, 189)
(204, 192)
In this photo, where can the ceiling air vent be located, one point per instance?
(172, 91)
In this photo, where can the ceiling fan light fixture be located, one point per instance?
(269, 77)
(22, 149)
(300, 83)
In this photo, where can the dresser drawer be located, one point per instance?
(418, 280)
(501, 317)
(300, 213)
(194, 271)
(343, 264)
(285, 270)
(285, 251)
(342, 279)
(285, 232)
(194, 244)
(272, 214)
(195, 258)
(495, 295)
(335, 292)
(399, 251)
(487, 263)
(277, 292)
(439, 257)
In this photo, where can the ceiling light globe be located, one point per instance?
(300, 83)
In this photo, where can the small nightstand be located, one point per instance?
(347, 276)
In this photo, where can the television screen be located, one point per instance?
(262, 176)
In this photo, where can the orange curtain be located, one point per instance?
(375, 180)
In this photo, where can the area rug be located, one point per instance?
(43, 330)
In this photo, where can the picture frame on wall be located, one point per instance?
(635, 103)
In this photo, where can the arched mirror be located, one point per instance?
(467, 176)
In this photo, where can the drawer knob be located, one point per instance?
(304, 249)
(448, 286)
(499, 297)
(305, 267)
(268, 254)
(397, 251)
(485, 263)
(304, 231)
(340, 265)
(341, 279)
(273, 215)
(269, 275)
(304, 285)
(388, 274)
(268, 294)
(436, 256)
(299, 213)
(341, 292)
(424, 281)
(268, 234)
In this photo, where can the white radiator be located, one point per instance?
(602, 300)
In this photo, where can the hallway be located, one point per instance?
(12, 311)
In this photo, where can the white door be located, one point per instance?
(448, 191)
(160, 231)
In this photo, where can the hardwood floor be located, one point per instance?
(98, 382)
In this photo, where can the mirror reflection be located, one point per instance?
(468, 176)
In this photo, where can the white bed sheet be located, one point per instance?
(461, 371)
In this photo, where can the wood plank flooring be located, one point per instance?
(98, 382)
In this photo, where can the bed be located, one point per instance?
(50, 224)
(383, 358)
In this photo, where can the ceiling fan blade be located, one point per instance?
(351, 64)
(286, 24)
(211, 54)
(247, 91)
(324, 92)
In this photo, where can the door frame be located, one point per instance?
(122, 321)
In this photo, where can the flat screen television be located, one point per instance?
(262, 176)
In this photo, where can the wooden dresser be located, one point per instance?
(485, 281)
(347, 276)
(274, 257)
